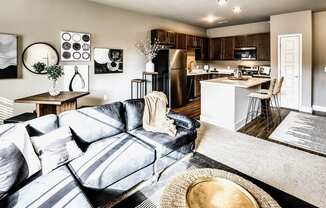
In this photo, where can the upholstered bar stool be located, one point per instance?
(260, 103)
(275, 96)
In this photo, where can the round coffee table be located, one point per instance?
(214, 188)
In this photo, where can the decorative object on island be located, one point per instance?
(108, 61)
(149, 50)
(54, 72)
(76, 78)
(39, 54)
(8, 56)
(75, 46)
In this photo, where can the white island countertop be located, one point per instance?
(251, 82)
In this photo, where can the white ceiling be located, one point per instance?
(193, 11)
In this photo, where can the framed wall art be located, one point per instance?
(76, 78)
(108, 60)
(75, 46)
(8, 56)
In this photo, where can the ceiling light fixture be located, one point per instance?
(236, 10)
(211, 18)
(222, 2)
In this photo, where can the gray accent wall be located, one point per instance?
(319, 60)
(42, 20)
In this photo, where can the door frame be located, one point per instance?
(300, 63)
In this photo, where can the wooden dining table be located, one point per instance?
(47, 104)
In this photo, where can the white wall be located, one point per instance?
(244, 29)
(42, 20)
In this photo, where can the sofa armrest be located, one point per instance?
(183, 121)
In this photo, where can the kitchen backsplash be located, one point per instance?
(231, 64)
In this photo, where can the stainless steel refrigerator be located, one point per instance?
(171, 65)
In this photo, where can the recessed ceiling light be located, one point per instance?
(236, 10)
(211, 18)
(222, 2)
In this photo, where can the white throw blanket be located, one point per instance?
(155, 111)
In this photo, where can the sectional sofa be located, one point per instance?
(118, 154)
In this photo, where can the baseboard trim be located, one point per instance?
(319, 108)
(306, 109)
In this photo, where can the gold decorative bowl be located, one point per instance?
(214, 192)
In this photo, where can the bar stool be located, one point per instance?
(275, 96)
(263, 107)
(154, 76)
(139, 88)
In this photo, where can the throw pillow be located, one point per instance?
(13, 167)
(18, 160)
(56, 148)
(19, 137)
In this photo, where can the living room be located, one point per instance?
(237, 89)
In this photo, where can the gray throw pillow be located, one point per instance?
(56, 148)
(13, 167)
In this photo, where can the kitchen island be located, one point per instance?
(224, 102)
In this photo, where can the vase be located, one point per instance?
(149, 66)
(53, 91)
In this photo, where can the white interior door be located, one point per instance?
(290, 69)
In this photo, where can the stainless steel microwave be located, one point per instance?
(248, 53)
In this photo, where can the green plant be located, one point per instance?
(39, 67)
(54, 72)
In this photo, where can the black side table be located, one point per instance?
(154, 76)
(139, 83)
(20, 118)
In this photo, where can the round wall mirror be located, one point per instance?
(40, 53)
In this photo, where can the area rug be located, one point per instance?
(304, 131)
(149, 196)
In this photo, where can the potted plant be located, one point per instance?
(54, 72)
(149, 50)
(39, 67)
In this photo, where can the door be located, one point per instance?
(290, 64)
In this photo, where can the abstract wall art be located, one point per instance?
(75, 46)
(108, 60)
(8, 56)
(76, 78)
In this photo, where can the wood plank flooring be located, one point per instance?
(256, 128)
(192, 109)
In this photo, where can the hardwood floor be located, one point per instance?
(258, 128)
(192, 109)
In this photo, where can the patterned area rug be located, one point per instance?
(149, 196)
(304, 131)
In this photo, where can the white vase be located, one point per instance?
(149, 66)
(53, 91)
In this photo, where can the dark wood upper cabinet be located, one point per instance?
(191, 41)
(215, 49)
(163, 36)
(181, 41)
(228, 44)
(263, 47)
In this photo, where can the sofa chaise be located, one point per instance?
(118, 154)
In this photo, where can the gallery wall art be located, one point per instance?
(76, 78)
(75, 46)
(8, 56)
(108, 60)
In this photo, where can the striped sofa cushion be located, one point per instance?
(57, 189)
(109, 160)
(98, 122)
